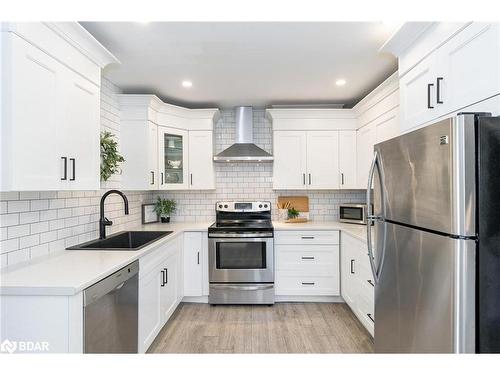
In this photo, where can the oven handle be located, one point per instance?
(262, 239)
(241, 235)
(240, 287)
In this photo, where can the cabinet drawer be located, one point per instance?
(307, 257)
(306, 237)
(288, 285)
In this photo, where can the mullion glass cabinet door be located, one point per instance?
(173, 154)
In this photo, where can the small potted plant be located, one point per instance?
(164, 208)
(293, 213)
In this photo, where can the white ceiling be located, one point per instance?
(257, 64)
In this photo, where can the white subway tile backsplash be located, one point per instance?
(39, 204)
(40, 227)
(7, 220)
(29, 195)
(18, 206)
(29, 241)
(29, 217)
(18, 231)
(9, 245)
(40, 250)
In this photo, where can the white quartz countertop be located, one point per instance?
(71, 271)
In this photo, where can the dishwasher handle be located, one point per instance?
(109, 284)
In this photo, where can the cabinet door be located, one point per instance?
(169, 290)
(415, 95)
(347, 159)
(193, 269)
(365, 140)
(32, 154)
(80, 102)
(173, 159)
(323, 160)
(201, 165)
(149, 308)
(387, 125)
(347, 272)
(469, 67)
(153, 183)
(290, 154)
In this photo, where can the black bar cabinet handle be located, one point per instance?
(162, 278)
(152, 178)
(198, 257)
(166, 276)
(370, 316)
(308, 258)
(65, 175)
(303, 178)
(438, 90)
(308, 283)
(191, 175)
(429, 86)
(342, 175)
(307, 237)
(352, 265)
(309, 179)
(73, 164)
(162, 178)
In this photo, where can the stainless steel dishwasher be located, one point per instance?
(111, 311)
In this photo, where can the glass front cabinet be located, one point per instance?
(173, 158)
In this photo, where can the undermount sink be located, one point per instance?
(123, 241)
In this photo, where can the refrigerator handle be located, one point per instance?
(372, 218)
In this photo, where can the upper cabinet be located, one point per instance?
(313, 149)
(50, 107)
(166, 147)
(444, 68)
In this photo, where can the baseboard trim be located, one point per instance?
(328, 299)
(201, 299)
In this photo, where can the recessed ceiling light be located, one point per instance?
(187, 83)
(340, 82)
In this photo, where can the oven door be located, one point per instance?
(241, 260)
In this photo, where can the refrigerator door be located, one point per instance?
(429, 177)
(424, 299)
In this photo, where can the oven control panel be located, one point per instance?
(243, 206)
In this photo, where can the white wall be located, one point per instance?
(250, 181)
(34, 224)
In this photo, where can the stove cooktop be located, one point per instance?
(241, 225)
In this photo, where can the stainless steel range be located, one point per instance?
(241, 254)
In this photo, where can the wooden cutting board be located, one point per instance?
(300, 203)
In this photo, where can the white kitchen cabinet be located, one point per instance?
(418, 93)
(322, 160)
(366, 138)
(139, 147)
(160, 289)
(357, 282)
(173, 158)
(306, 160)
(387, 125)
(50, 136)
(468, 67)
(50, 97)
(201, 165)
(290, 160)
(193, 264)
(307, 264)
(347, 159)
(459, 73)
(150, 319)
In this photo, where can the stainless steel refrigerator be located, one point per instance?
(435, 247)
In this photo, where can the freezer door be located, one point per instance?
(429, 177)
(424, 298)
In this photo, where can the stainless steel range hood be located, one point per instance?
(244, 149)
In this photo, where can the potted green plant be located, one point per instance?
(293, 213)
(164, 208)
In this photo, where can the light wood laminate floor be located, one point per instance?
(282, 328)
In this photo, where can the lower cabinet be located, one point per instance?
(160, 289)
(195, 245)
(357, 281)
(307, 263)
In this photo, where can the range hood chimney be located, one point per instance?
(244, 149)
